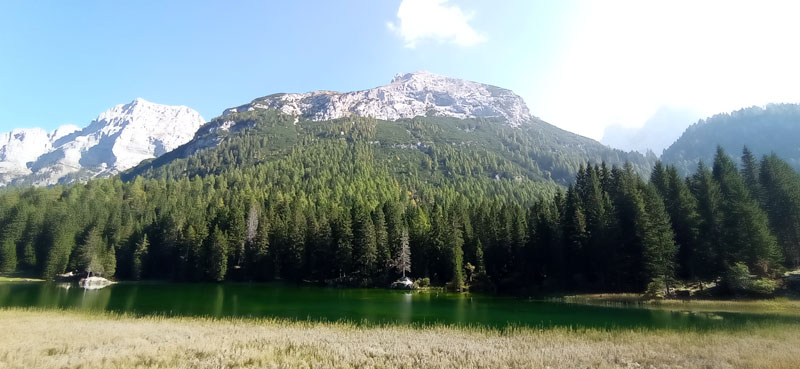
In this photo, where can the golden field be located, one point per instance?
(65, 339)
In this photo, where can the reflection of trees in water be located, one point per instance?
(130, 297)
(94, 299)
(406, 308)
(219, 299)
(5, 291)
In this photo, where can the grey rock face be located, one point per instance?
(407, 96)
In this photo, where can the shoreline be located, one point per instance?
(776, 305)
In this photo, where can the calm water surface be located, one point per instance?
(358, 305)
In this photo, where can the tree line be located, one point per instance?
(329, 216)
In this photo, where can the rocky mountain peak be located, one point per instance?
(405, 77)
(116, 140)
(408, 95)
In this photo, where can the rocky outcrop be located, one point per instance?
(407, 96)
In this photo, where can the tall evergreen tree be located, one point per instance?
(658, 239)
(745, 226)
(709, 254)
(139, 258)
(750, 174)
(218, 255)
(781, 189)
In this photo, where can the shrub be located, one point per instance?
(739, 280)
(423, 282)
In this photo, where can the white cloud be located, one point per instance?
(625, 59)
(436, 20)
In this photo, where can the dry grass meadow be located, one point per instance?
(62, 339)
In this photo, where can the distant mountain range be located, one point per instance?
(418, 117)
(657, 133)
(118, 139)
(764, 130)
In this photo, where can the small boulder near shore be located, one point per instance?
(94, 283)
(404, 283)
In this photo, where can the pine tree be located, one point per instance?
(89, 254)
(658, 240)
(260, 263)
(343, 237)
(750, 174)
(574, 231)
(781, 189)
(403, 260)
(682, 209)
(365, 249)
(383, 254)
(455, 251)
(139, 258)
(659, 179)
(218, 255)
(11, 232)
(58, 241)
(110, 261)
(8, 255)
(745, 226)
(709, 254)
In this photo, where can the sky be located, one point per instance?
(581, 65)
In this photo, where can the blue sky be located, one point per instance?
(580, 65)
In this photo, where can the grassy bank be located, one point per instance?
(19, 279)
(780, 305)
(54, 339)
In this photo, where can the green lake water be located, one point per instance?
(369, 306)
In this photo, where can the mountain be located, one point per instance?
(657, 133)
(764, 130)
(407, 96)
(118, 139)
(442, 129)
(24, 145)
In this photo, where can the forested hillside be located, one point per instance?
(334, 201)
(774, 128)
(439, 149)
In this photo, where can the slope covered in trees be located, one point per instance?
(774, 128)
(332, 212)
(430, 148)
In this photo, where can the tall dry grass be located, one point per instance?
(56, 339)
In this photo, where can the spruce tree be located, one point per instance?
(658, 240)
(681, 206)
(746, 231)
(709, 254)
(218, 255)
(781, 189)
(139, 258)
(365, 249)
(750, 173)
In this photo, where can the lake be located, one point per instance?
(369, 306)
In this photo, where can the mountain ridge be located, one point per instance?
(772, 128)
(408, 95)
(116, 140)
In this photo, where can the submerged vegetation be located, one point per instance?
(330, 202)
(59, 340)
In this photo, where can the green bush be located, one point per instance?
(423, 282)
(656, 288)
(739, 280)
